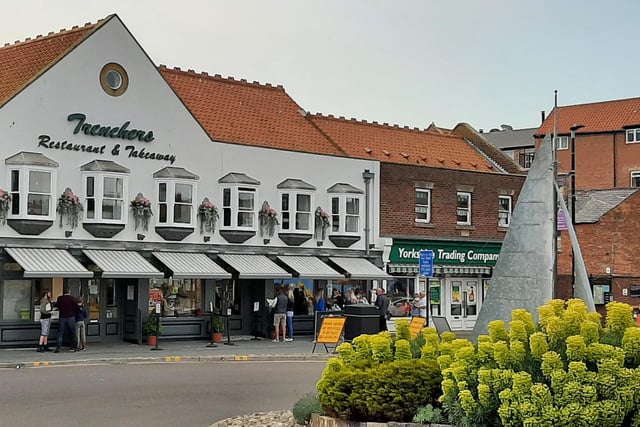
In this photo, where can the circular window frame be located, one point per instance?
(112, 66)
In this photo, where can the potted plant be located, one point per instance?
(153, 328)
(69, 205)
(268, 218)
(217, 329)
(141, 208)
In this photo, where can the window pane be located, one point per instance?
(245, 219)
(463, 201)
(226, 197)
(303, 221)
(183, 193)
(285, 202)
(162, 192)
(245, 200)
(303, 203)
(351, 224)
(182, 214)
(421, 212)
(15, 204)
(285, 220)
(38, 204)
(113, 188)
(112, 209)
(162, 215)
(422, 197)
(16, 300)
(90, 187)
(39, 182)
(226, 217)
(353, 207)
(15, 180)
(335, 205)
(91, 208)
(504, 203)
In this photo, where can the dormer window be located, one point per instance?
(238, 202)
(175, 193)
(104, 188)
(295, 206)
(32, 178)
(346, 203)
(633, 136)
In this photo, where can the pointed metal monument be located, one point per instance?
(523, 276)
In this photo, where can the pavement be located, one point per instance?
(238, 348)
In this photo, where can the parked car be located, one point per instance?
(400, 306)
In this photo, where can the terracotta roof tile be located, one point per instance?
(22, 62)
(395, 144)
(606, 116)
(240, 112)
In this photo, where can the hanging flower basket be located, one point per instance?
(268, 218)
(5, 204)
(69, 206)
(141, 209)
(208, 213)
(321, 224)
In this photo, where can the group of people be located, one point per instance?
(72, 318)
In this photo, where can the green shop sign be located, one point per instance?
(446, 253)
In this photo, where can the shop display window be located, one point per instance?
(177, 297)
(16, 300)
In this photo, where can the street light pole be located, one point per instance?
(573, 128)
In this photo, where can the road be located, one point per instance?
(157, 394)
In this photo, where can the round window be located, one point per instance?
(114, 79)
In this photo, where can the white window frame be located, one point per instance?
(23, 191)
(504, 215)
(340, 216)
(635, 176)
(99, 197)
(171, 202)
(419, 206)
(562, 142)
(633, 136)
(231, 209)
(462, 210)
(290, 215)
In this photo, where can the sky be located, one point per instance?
(405, 62)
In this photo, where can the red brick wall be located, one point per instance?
(612, 242)
(602, 161)
(397, 206)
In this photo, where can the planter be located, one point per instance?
(216, 337)
(152, 340)
(324, 421)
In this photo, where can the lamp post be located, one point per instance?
(367, 175)
(573, 129)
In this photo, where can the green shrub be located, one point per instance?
(376, 379)
(429, 415)
(566, 371)
(307, 405)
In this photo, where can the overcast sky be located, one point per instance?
(406, 62)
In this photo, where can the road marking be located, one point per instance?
(241, 357)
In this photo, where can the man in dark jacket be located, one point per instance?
(67, 307)
(383, 305)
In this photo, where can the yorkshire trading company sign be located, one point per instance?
(446, 253)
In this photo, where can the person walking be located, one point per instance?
(290, 306)
(81, 327)
(383, 305)
(67, 306)
(280, 315)
(45, 321)
(421, 305)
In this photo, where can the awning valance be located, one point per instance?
(191, 265)
(310, 267)
(41, 262)
(255, 267)
(413, 269)
(360, 269)
(120, 264)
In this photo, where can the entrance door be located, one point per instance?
(464, 303)
(132, 321)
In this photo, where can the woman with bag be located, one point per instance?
(81, 327)
(45, 321)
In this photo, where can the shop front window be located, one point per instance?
(177, 297)
(16, 300)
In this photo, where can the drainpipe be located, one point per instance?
(367, 175)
